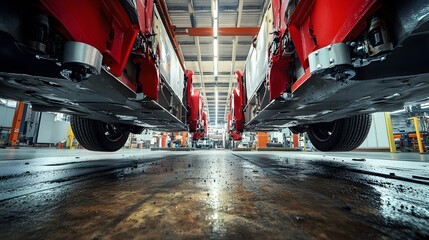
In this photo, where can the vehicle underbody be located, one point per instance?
(321, 63)
(112, 65)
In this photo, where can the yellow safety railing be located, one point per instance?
(417, 127)
(70, 137)
(388, 120)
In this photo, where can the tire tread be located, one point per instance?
(88, 134)
(351, 133)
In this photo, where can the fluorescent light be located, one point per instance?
(215, 38)
(424, 107)
(215, 57)
(215, 27)
(398, 111)
(216, 103)
(424, 104)
(215, 48)
(215, 8)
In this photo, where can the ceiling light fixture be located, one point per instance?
(215, 9)
(215, 57)
(215, 26)
(215, 38)
(216, 105)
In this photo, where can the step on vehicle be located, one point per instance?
(111, 64)
(323, 67)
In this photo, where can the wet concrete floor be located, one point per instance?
(139, 194)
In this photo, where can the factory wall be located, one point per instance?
(51, 131)
(6, 116)
(377, 136)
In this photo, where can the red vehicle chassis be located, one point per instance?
(111, 64)
(321, 65)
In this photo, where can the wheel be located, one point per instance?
(343, 134)
(96, 135)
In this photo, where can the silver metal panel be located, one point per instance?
(181, 19)
(202, 4)
(203, 19)
(51, 131)
(250, 19)
(170, 67)
(78, 52)
(6, 116)
(257, 61)
(227, 19)
(329, 56)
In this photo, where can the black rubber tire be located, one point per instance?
(343, 134)
(91, 134)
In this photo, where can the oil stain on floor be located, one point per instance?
(210, 194)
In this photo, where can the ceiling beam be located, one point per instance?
(222, 9)
(263, 10)
(234, 54)
(215, 31)
(208, 32)
(198, 48)
(221, 58)
(200, 66)
(223, 43)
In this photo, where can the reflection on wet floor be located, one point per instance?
(207, 194)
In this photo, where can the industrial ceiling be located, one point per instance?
(235, 17)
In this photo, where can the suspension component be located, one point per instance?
(80, 61)
(378, 37)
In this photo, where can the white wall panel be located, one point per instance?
(51, 131)
(377, 136)
(6, 116)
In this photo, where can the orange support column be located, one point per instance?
(262, 139)
(295, 141)
(16, 124)
(163, 141)
(184, 138)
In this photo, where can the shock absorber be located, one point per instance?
(378, 37)
(38, 33)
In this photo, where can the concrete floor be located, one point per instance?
(77, 194)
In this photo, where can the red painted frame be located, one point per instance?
(236, 104)
(314, 24)
(193, 97)
(201, 134)
(105, 25)
(195, 107)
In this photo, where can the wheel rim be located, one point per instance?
(112, 133)
(323, 131)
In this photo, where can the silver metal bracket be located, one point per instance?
(287, 96)
(328, 57)
(80, 58)
(140, 96)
